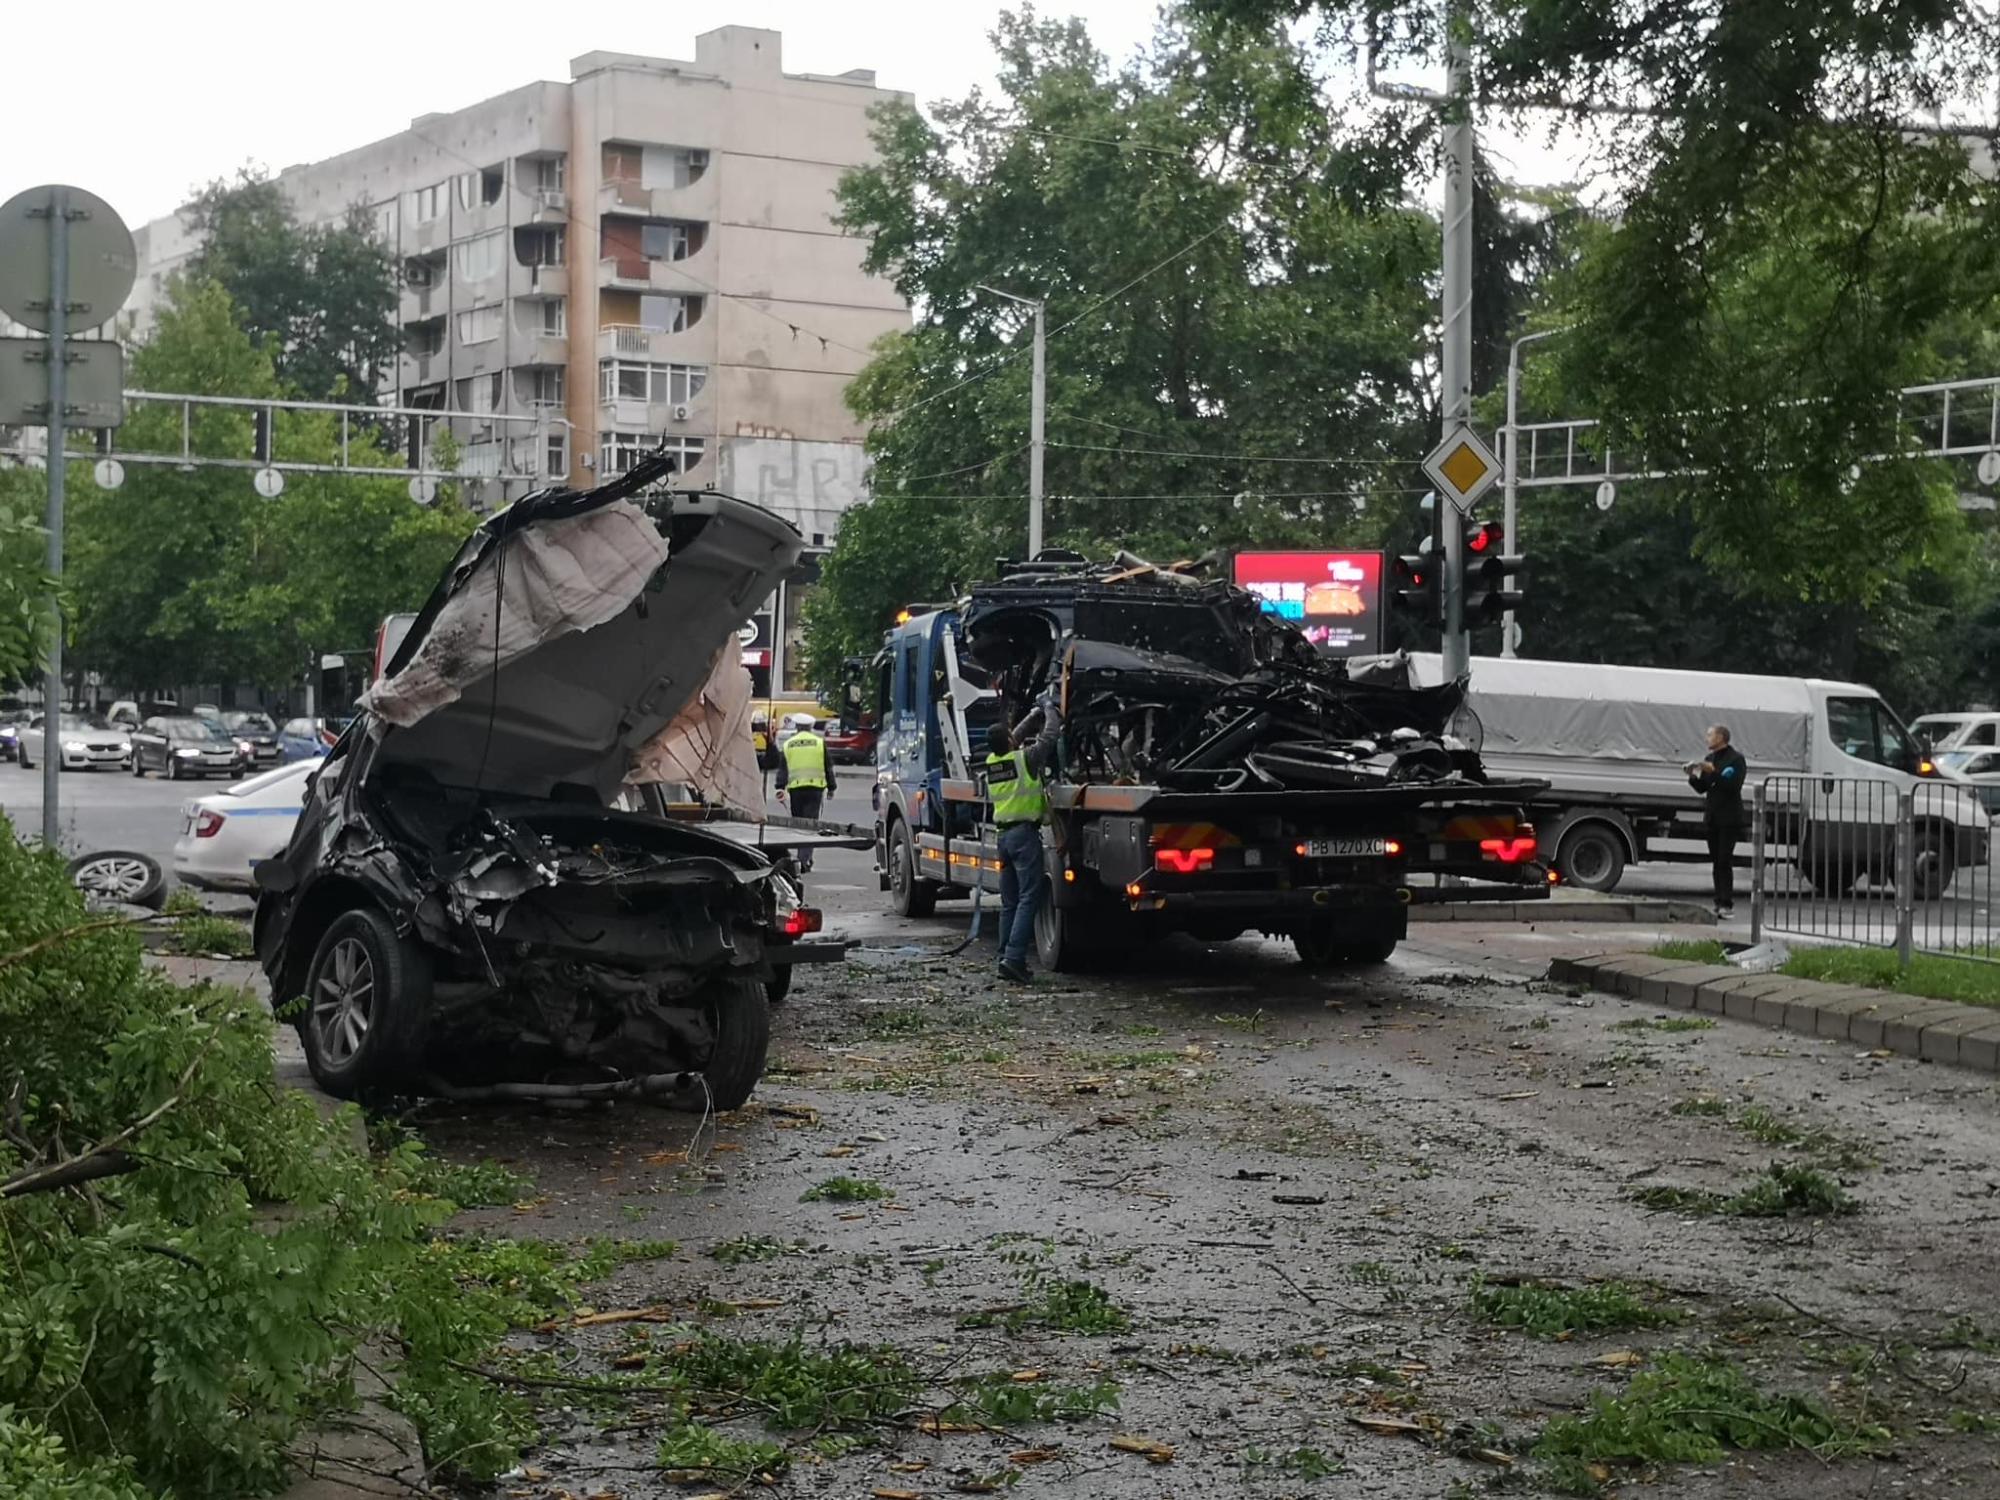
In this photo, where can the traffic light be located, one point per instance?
(1414, 579)
(1417, 578)
(1487, 566)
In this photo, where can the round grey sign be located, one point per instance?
(1607, 492)
(423, 489)
(102, 259)
(1989, 469)
(109, 473)
(270, 483)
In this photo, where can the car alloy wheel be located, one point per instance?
(344, 1005)
(119, 875)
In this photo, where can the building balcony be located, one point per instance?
(418, 303)
(537, 281)
(690, 276)
(540, 348)
(427, 234)
(421, 369)
(692, 418)
(623, 196)
(545, 205)
(691, 346)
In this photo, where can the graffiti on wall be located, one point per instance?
(809, 484)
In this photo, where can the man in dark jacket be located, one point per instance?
(1720, 779)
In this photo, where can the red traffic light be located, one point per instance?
(1480, 540)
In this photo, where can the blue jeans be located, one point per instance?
(1024, 887)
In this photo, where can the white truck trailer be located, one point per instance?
(1611, 744)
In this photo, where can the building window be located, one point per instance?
(480, 325)
(558, 455)
(422, 272)
(426, 338)
(544, 385)
(430, 202)
(668, 385)
(384, 215)
(617, 452)
(669, 314)
(671, 166)
(540, 245)
(480, 395)
(555, 320)
(547, 173)
(621, 163)
(477, 259)
(664, 241)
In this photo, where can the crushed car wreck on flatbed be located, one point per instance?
(479, 897)
(1215, 772)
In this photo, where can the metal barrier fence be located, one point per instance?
(1849, 860)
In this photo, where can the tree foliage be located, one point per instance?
(319, 300)
(24, 581)
(186, 577)
(1241, 312)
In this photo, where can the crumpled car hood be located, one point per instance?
(569, 632)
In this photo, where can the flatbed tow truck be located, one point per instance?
(1216, 774)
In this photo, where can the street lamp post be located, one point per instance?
(1038, 403)
(1512, 469)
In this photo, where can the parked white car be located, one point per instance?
(225, 835)
(1976, 768)
(1957, 731)
(83, 742)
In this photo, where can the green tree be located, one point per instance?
(319, 299)
(1241, 304)
(190, 577)
(24, 580)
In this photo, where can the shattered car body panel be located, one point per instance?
(512, 922)
(1182, 683)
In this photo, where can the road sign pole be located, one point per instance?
(52, 695)
(1457, 304)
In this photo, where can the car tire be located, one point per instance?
(1318, 945)
(121, 875)
(739, 1018)
(1372, 950)
(367, 996)
(1934, 866)
(779, 984)
(909, 892)
(138, 766)
(1066, 940)
(26, 764)
(1592, 857)
(173, 769)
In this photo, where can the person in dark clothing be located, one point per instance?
(1014, 784)
(1720, 779)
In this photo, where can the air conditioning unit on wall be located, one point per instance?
(681, 412)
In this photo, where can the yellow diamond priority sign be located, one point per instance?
(1463, 467)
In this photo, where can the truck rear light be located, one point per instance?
(1069, 877)
(1184, 861)
(801, 920)
(1509, 851)
(1135, 890)
(1392, 847)
(207, 824)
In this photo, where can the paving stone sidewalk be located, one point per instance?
(1932, 1030)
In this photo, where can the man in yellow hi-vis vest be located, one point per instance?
(1014, 785)
(807, 774)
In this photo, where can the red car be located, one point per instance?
(850, 746)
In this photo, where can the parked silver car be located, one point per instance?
(82, 742)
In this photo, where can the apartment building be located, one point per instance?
(642, 255)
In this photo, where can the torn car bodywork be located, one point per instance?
(1183, 683)
(464, 904)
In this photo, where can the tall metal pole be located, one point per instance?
(1457, 304)
(1512, 469)
(1036, 417)
(52, 694)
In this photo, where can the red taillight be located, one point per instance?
(801, 920)
(1509, 851)
(207, 824)
(1184, 861)
(1392, 847)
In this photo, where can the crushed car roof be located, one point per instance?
(570, 630)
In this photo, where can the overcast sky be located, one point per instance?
(147, 101)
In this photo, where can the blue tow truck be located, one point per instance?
(1216, 773)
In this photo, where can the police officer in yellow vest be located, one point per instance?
(806, 774)
(1014, 785)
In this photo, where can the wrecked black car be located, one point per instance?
(466, 907)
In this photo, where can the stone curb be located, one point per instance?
(1967, 1036)
(1563, 911)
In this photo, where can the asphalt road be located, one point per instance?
(1256, 1208)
